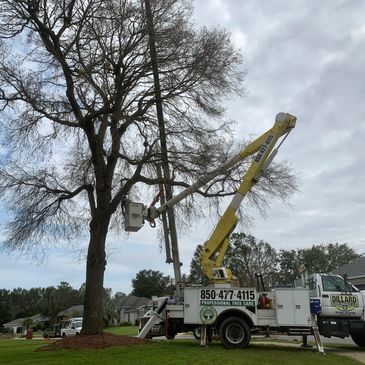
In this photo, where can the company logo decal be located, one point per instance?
(344, 302)
(208, 314)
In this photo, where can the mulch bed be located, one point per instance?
(93, 342)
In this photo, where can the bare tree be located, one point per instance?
(76, 101)
(246, 257)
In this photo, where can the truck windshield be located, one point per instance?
(336, 283)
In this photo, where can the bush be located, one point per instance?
(126, 324)
(38, 326)
(7, 331)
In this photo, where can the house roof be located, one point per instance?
(15, 323)
(131, 302)
(71, 311)
(354, 269)
(19, 321)
(39, 318)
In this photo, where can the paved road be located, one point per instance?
(325, 340)
(297, 340)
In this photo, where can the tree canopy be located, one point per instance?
(321, 258)
(148, 283)
(247, 256)
(47, 301)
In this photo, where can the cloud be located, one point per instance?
(305, 57)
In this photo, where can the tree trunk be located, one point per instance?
(96, 261)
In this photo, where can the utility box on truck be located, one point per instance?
(292, 307)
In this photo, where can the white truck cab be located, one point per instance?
(340, 307)
(71, 327)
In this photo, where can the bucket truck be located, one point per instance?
(233, 312)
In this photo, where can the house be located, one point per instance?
(74, 311)
(130, 308)
(355, 271)
(17, 325)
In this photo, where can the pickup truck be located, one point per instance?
(72, 327)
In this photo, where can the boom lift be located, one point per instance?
(217, 245)
(215, 248)
(137, 213)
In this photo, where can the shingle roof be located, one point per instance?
(353, 269)
(72, 310)
(16, 322)
(132, 302)
(39, 318)
(19, 321)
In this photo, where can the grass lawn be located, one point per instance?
(179, 352)
(124, 330)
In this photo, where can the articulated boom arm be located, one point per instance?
(215, 248)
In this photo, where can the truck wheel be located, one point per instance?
(63, 335)
(234, 333)
(170, 335)
(359, 339)
(196, 333)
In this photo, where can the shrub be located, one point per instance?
(126, 324)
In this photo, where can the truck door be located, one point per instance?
(338, 298)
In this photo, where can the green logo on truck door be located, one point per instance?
(344, 302)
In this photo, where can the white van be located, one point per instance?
(72, 327)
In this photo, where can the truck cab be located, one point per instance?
(341, 307)
(337, 297)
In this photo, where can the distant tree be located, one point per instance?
(20, 302)
(245, 257)
(196, 274)
(27, 322)
(57, 299)
(150, 283)
(17, 303)
(289, 263)
(248, 256)
(110, 313)
(118, 295)
(340, 254)
(321, 258)
(326, 257)
(5, 315)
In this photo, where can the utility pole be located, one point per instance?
(163, 145)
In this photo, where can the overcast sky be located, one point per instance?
(303, 57)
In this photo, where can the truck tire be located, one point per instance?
(171, 333)
(196, 333)
(359, 339)
(234, 333)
